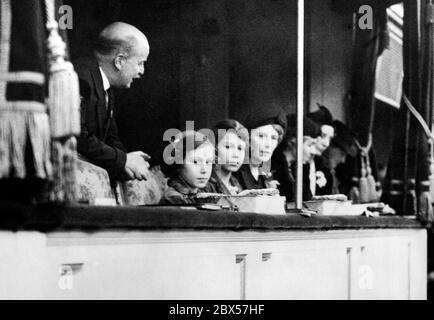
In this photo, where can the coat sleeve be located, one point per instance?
(172, 196)
(110, 157)
(281, 173)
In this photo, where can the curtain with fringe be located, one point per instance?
(407, 182)
(37, 152)
(368, 46)
(24, 122)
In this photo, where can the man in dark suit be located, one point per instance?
(119, 56)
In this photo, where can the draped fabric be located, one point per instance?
(37, 90)
(24, 122)
(368, 46)
(407, 181)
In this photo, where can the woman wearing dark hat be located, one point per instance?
(267, 126)
(232, 139)
(342, 144)
(324, 119)
(284, 159)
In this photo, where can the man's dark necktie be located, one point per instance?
(110, 109)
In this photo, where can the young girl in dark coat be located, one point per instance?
(231, 141)
(187, 162)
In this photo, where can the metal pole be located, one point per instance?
(300, 105)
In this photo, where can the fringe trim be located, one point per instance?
(425, 212)
(16, 130)
(39, 132)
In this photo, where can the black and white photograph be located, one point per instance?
(232, 152)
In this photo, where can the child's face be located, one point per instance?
(198, 165)
(231, 151)
(264, 141)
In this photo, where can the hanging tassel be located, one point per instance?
(367, 185)
(372, 185)
(64, 106)
(63, 85)
(12, 144)
(17, 129)
(355, 195)
(39, 132)
(64, 100)
(364, 190)
(363, 183)
(372, 188)
(425, 212)
(411, 198)
(425, 208)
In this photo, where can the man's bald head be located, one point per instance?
(120, 37)
(121, 49)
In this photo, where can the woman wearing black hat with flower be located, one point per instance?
(267, 126)
(324, 119)
(342, 144)
(284, 159)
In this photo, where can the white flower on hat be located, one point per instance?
(321, 180)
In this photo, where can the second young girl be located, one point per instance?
(231, 142)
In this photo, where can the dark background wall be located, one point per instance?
(263, 54)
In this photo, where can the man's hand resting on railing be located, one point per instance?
(137, 166)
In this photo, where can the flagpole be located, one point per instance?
(300, 105)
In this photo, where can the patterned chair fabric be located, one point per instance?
(94, 187)
(144, 192)
(93, 183)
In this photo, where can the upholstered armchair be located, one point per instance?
(94, 188)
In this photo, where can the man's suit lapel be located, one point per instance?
(100, 93)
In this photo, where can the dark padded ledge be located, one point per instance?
(15, 216)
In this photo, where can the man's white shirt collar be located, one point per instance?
(105, 80)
